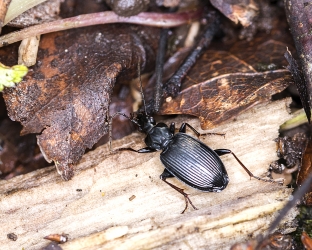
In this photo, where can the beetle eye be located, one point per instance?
(152, 120)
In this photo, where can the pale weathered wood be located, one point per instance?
(101, 216)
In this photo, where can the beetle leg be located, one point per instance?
(166, 174)
(142, 150)
(183, 130)
(172, 128)
(227, 151)
(146, 150)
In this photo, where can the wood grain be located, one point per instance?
(101, 216)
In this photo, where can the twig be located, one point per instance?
(144, 18)
(172, 87)
(159, 68)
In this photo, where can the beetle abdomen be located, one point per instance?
(194, 163)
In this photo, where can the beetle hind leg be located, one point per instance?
(227, 151)
(183, 130)
(166, 174)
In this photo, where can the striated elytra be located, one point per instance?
(194, 163)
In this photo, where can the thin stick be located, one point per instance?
(172, 87)
(144, 18)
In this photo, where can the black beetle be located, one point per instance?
(184, 157)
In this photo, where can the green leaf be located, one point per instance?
(9, 76)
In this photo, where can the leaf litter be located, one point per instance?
(65, 98)
(226, 81)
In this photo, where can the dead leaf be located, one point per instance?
(66, 97)
(228, 85)
(220, 98)
(305, 171)
(238, 11)
(306, 241)
(45, 12)
(224, 83)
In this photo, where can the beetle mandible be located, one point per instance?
(184, 157)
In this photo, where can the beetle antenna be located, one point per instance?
(141, 88)
(110, 123)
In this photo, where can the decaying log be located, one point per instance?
(118, 201)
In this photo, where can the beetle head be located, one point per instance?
(145, 122)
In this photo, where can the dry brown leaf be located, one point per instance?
(224, 83)
(238, 11)
(66, 96)
(305, 171)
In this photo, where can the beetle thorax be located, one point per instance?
(158, 137)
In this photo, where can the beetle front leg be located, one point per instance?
(166, 174)
(227, 151)
(142, 150)
(183, 130)
(172, 128)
